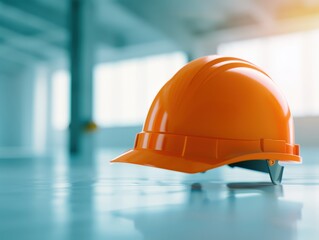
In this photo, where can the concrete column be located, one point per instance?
(82, 42)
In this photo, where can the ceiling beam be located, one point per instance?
(158, 16)
(13, 54)
(282, 26)
(7, 70)
(14, 14)
(5, 64)
(135, 51)
(35, 43)
(44, 18)
(35, 13)
(12, 62)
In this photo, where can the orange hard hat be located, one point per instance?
(217, 111)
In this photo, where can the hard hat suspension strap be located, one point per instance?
(273, 168)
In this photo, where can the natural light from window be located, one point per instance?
(123, 91)
(291, 60)
(60, 100)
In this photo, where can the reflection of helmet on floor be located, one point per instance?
(237, 213)
(217, 111)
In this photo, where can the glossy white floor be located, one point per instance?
(86, 198)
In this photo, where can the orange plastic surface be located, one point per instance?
(215, 111)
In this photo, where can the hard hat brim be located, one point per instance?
(158, 160)
(180, 164)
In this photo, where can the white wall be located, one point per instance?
(307, 131)
(16, 111)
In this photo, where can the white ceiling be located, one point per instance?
(36, 31)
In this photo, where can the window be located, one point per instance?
(123, 91)
(60, 100)
(40, 109)
(292, 61)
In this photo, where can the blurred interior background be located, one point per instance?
(68, 65)
(78, 76)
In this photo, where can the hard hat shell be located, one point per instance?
(215, 111)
